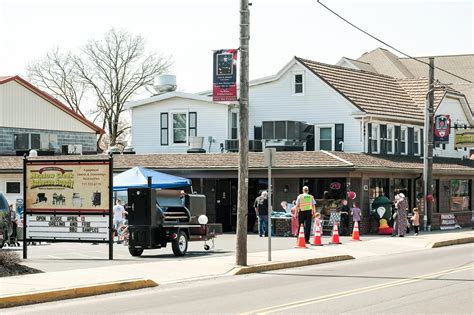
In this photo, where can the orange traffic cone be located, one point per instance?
(300, 243)
(355, 233)
(317, 236)
(335, 235)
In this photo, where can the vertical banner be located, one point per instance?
(224, 88)
(441, 128)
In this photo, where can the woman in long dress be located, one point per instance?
(401, 205)
(294, 219)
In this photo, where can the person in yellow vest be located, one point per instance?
(306, 206)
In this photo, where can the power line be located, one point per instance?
(388, 45)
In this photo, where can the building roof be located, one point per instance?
(52, 100)
(385, 62)
(372, 92)
(313, 160)
(169, 95)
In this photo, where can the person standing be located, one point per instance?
(401, 205)
(344, 210)
(119, 214)
(14, 224)
(356, 213)
(261, 209)
(305, 205)
(415, 220)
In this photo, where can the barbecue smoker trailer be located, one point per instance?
(159, 217)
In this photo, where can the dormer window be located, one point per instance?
(298, 84)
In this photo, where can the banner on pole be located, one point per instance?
(224, 88)
(441, 128)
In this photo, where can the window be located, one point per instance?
(375, 139)
(35, 141)
(13, 187)
(21, 141)
(325, 138)
(390, 139)
(460, 196)
(298, 84)
(164, 128)
(233, 125)
(179, 128)
(403, 140)
(378, 187)
(192, 124)
(416, 142)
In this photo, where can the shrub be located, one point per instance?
(9, 258)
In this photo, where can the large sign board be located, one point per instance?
(68, 200)
(67, 187)
(224, 86)
(68, 227)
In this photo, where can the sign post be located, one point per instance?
(270, 156)
(68, 200)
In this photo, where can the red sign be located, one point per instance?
(441, 128)
(335, 186)
(224, 88)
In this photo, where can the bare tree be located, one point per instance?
(114, 68)
(56, 73)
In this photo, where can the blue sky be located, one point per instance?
(190, 30)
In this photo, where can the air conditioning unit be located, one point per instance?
(72, 149)
(232, 145)
(255, 146)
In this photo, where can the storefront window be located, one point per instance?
(419, 200)
(460, 194)
(378, 187)
(403, 185)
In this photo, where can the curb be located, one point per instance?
(69, 293)
(458, 241)
(287, 264)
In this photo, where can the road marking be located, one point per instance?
(291, 305)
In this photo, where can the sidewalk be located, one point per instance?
(170, 271)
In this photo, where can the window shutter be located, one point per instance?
(369, 143)
(192, 124)
(422, 143)
(398, 139)
(383, 139)
(339, 137)
(411, 140)
(164, 128)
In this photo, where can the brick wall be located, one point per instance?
(88, 140)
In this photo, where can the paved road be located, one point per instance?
(430, 281)
(70, 256)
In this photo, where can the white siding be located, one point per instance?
(212, 120)
(21, 108)
(320, 104)
(452, 107)
(4, 178)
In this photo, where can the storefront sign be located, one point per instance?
(67, 186)
(464, 139)
(448, 222)
(68, 227)
(441, 128)
(224, 75)
(335, 185)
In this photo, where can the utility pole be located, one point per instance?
(242, 202)
(429, 130)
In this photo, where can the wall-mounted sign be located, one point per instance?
(441, 128)
(224, 75)
(68, 227)
(67, 186)
(464, 139)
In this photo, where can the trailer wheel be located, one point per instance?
(180, 246)
(136, 252)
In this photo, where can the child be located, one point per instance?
(356, 213)
(317, 222)
(415, 219)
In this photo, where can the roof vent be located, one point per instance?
(165, 83)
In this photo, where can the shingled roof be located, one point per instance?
(375, 93)
(285, 161)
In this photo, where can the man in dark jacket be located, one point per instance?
(261, 209)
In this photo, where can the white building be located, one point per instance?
(343, 109)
